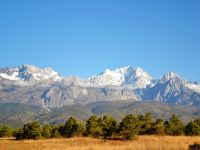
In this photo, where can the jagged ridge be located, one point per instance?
(47, 88)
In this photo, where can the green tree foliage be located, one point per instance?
(5, 131)
(32, 130)
(72, 128)
(193, 128)
(55, 133)
(61, 130)
(146, 123)
(46, 132)
(18, 134)
(174, 126)
(93, 126)
(109, 126)
(129, 127)
(158, 127)
(81, 129)
(141, 124)
(106, 127)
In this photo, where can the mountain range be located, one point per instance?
(45, 88)
(32, 85)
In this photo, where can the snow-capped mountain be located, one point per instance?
(29, 73)
(49, 89)
(168, 76)
(193, 86)
(187, 84)
(136, 77)
(173, 89)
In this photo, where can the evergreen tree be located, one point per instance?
(106, 126)
(31, 130)
(174, 126)
(146, 123)
(158, 127)
(193, 128)
(129, 127)
(18, 134)
(46, 132)
(61, 130)
(5, 131)
(109, 126)
(141, 121)
(93, 126)
(55, 133)
(72, 128)
(81, 129)
(147, 126)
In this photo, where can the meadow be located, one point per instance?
(87, 143)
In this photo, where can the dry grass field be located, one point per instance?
(80, 143)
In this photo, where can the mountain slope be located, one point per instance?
(159, 110)
(59, 95)
(17, 114)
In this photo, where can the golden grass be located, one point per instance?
(85, 143)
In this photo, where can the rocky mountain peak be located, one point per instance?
(136, 77)
(29, 73)
(168, 76)
(46, 87)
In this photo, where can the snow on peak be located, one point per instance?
(136, 77)
(193, 86)
(168, 76)
(29, 73)
(172, 75)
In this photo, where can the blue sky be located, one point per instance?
(83, 38)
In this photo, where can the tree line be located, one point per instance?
(105, 127)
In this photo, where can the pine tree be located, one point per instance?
(31, 130)
(55, 133)
(5, 131)
(147, 123)
(174, 126)
(93, 126)
(46, 132)
(158, 127)
(193, 128)
(18, 134)
(72, 128)
(129, 127)
(109, 126)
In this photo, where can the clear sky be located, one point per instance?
(84, 37)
